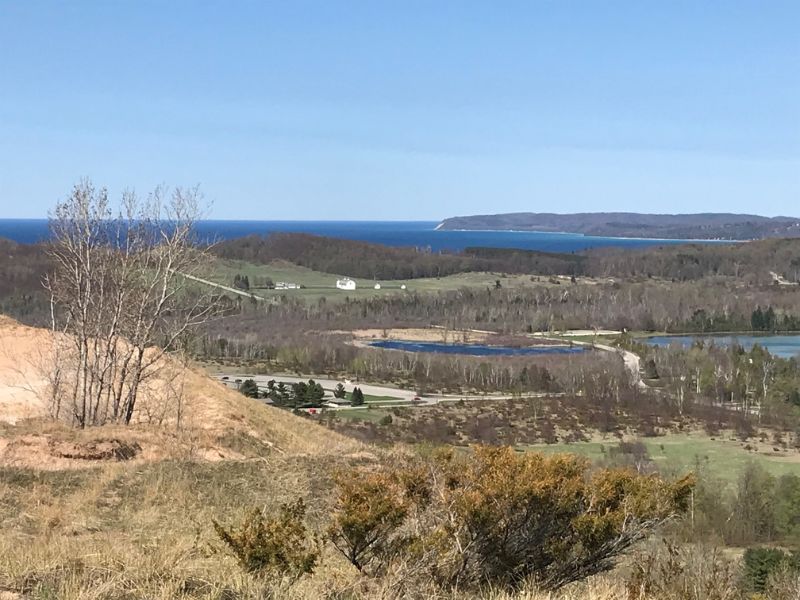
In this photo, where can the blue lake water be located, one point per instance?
(474, 349)
(785, 346)
(391, 233)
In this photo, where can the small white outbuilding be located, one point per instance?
(345, 284)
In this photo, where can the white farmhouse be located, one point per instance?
(346, 284)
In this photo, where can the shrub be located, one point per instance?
(369, 510)
(501, 518)
(280, 545)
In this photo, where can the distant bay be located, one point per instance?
(391, 233)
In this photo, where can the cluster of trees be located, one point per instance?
(769, 320)
(119, 297)
(302, 394)
(760, 385)
(297, 395)
(761, 319)
(758, 508)
(241, 282)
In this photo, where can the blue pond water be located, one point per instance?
(421, 234)
(474, 349)
(785, 346)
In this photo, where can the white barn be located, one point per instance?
(346, 284)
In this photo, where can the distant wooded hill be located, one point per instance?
(753, 261)
(375, 261)
(698, 226)
(22, 266)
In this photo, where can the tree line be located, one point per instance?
(376, 261)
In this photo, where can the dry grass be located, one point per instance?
(144, 530)
(141, 531)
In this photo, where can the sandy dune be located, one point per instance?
(215, 422)
(22, 350)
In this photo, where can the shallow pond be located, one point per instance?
(474, 349)
(785, 346)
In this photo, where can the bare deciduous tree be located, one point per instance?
(120, 299)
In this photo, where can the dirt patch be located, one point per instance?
(111, 449)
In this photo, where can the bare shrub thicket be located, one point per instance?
(119, 297)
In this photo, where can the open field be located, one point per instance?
(723, 457)
(318, 285)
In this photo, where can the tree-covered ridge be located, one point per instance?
(376, 261)
(759, 261)
(688, 226)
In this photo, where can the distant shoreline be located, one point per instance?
(688, 228)
(601, 237)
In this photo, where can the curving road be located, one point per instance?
(404, 397)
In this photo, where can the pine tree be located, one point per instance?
(357, 397)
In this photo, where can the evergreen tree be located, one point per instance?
(357, 397)
(314, 393)
(249, 388)
(284, 394)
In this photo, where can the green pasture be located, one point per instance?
(319, 285)
(679, 453)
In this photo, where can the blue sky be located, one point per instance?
(405, 110)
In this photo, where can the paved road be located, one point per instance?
(222, 287)
(370, 389)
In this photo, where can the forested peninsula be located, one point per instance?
(703, 226)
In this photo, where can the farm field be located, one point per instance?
(721, 457)
(318, 285)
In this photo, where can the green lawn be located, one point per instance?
(377, 399)
(677, 453)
